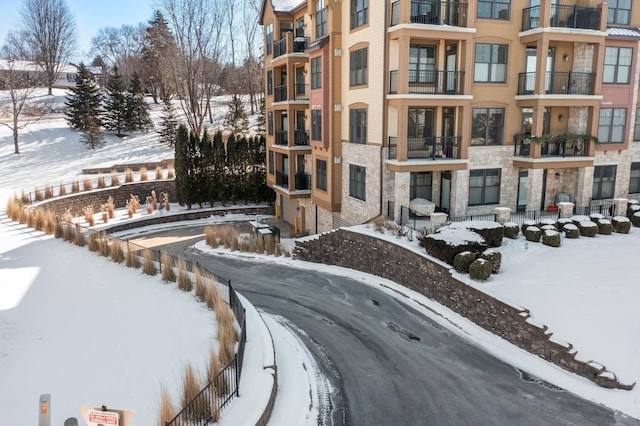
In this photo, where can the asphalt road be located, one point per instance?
(388, 364)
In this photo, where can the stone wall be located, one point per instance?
(385, 259)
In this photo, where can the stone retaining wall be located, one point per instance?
(385, 259)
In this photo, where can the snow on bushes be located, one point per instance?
(621, 224)
(448, 242)
(462, 261)
(571, 231)
(533, 233)
(492, 232)
(635, 219)
(511, 230)
(587, 228)
(551, 238)
(604, 226)
(494, 257)
(480, 270)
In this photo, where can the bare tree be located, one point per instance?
(253, 68)
(120, 47)
(50, 32)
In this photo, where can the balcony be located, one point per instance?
(303, 182)
(282, 137)
(558, 83)
(552, 146)
(296, 45)
(301, 92)
(280, 93)
(282, 180)
(428, 148)
(430, 82)
(563, 16)
(432, 13)
(301, 137)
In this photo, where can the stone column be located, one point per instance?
(565, 208)
(438, 220)
(503, 215)
(620, 206)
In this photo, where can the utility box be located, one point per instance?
(44, 416)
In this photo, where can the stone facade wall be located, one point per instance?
(498, 157)
(367, 156)
(385, 259)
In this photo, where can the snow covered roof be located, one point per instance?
(623, 32)
(32, 66)
(285, 5)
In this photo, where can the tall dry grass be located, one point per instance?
(62, 189)
(115, 178)
(31, 218)
(117, 254)
(104, 213)
(168, 275)
(39, 222)
(24, 197)
(87, 185)
(191, 386)
(132, 258)
(14, 206)
(165, 201)
(67, 232)
(101, 182)
(143, 174)
(168, 409)
(149, 266)
(50, 222)
(226, 320)
(159, 173)
(78, 239)
(154, 199)
(75, 186)
(111, 207)
(199, 284)
(148, 205)
(184, 278)
(93, 241)
(213, 374)
(103, 245)
(48, 192)
(213, 296)
(59, 232)
(227, 341)
(128, 175)
(88, 214)
(38, 194)
(211, 236)
(171, 173)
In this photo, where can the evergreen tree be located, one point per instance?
(217, 182)
(115, 116)
(168, 123)
(195, 168)
(137, 109)
(182, 164)
(236, 120)
(92, 135)
(261, 126)
(158, 57)
(83, 102)
(206, 161)
(242, 167)
(231, 160)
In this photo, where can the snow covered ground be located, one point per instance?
(91, 332)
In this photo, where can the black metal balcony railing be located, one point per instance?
(302, 181)
(430, 82)
(429, 147)
(558, 83)
(282, 137)
(299, 45)
(301, 137)
(280, 93)
(567, 16)
(279, 47)
(301, 92)
(550, 146)
(282, 180)
(433, 13)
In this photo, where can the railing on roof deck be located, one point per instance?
(563, 16)
(432, 13)
(427, 148)
(558, 83)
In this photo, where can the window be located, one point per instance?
(421, 185)
(316, 124)
(357, 182)
(617, 65)
(484, 187)
(321, 19)
(634, 179)
(636, 128)
(269, 38)
(491, 63)
(494, 9)
(611, 125)
(271, 163)
(358, 67)
(270, 82)
(299, 27)
(359, 13)
(358, 126)
(420, 122)
(316, 72)
(619, 12)
(422, 64)
(270, 123)
(321, 174)
(604, 182)
(487, 126)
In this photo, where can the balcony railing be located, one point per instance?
(430, 82)
(280, 93)
(279, 47)
(551, 146)
(433, 13)
(302, 181)
(430, 147)
(300, 43)
(558, 83)
(282, 137)
(282, 180)
(301, 92)
(566, 16)
(301, 137)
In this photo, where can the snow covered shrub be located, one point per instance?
(576, 219)
(480, 269)
(587, 228)
(462, 261)
(533, 233)
(632, 209)
(167, 268)
(562, 222)
(548, 228)
(448, 242)
(621, 224)
(548, 222)
(492, 232)
(494, 257)
(527, 223)
(604, 227)
(595, 217)
(551, 238)
(635, 219)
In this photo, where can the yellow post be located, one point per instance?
(295, 224)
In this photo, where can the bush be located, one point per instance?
(632, 209)
(551, 238)
(548, 222)
(511, 230)
(462, 261)
(596, 217)
(149, 266)
(571, 231)
(447, 243)
(494, 257)
(491, 232)
(621, 224)
(635, 219)
(527, 223)
(533, 233)
(548, 228)
(562, 222)
(588, 228)
(480, 269)
(168, 275)
(604, 227)
(576, 219)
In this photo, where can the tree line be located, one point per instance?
(211, 169)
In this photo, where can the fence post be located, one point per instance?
(230, 294)
(235, 359)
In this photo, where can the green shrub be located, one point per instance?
(604, 227)
(492, 232)
(596, 217)
(462, 261)
(551, 238)
(448, 242)
(548, 228)
(494, 257)
(632, 209)
(548, 222)
(571, 231)
(511, 230)
(533, 233)
(527, 223)
(635, 219)
(562, 222)
(480, 269)
(621, 224)
(588, 228)
(576, 219)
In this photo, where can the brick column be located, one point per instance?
(503, 215)
(620, 206)
(438, 220)
(565, 208)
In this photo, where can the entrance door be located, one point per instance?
(450, 67)
(523, 181)
(445, 191)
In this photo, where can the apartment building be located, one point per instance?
(471, 105)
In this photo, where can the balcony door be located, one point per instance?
(448, 132)
(284, 128)
(422, 64)
(530, 68)
(300, 86)
(445, 191)
(450, 67)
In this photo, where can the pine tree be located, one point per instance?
(158, 55)
(168, 123)
(83, 102)
(231, 161)
(217, 181)
(236, 120)
(182, 165)
(137, 109)
(92, 136)
(115, 116)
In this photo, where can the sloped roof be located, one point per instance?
(32, 66)
(623, 32)
(285, 5)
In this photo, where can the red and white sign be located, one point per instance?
(105, 418)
